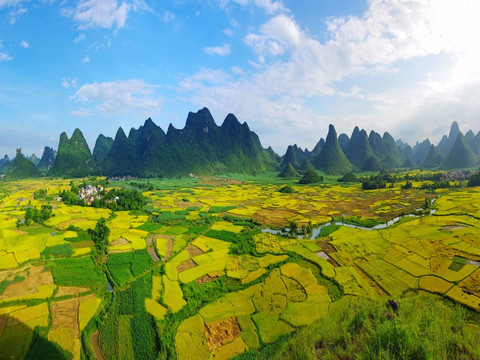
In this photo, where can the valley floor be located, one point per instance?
(192, 276)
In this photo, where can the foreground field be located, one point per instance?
(194, 277)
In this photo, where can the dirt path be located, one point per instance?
(95, 344)
(153, 254)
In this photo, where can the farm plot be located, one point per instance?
(288, 298)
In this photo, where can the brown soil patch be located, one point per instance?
(454, 227)
(204, 279)
(188, 264)
(37, 276)
(3, 321)
(95, 343)
(333, 262)
(219, 333)
(153, 254)
(194, 251)
(169, 248)
(371, 282)
(120, 242)
(326, 246)
(273, 217)
(65, 314)
(70, 290)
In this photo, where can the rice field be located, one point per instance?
(209, 237)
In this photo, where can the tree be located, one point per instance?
(293, 227)
(100, 236)
(474, 180)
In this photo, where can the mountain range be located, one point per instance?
(202, 147)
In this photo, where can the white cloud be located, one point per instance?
(5, 57)
(24, 44)
(223, 50)
(15, 15)
(168, 17)
(283, 90)
(116, 97)
(98, 13)
(7, 3)
(68, 83)
(228, 32)
(79, 38)
(86, 59)
(141, 6)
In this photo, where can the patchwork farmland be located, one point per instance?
(193, 276)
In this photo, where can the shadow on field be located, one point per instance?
(19, 341)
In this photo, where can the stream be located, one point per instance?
(318, 229)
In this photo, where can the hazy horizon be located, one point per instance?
(286, 68)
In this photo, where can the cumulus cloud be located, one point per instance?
(7, 3)
(98, 13)
(168, 16)
(79, 38)
(68, 83)
(15, 14)
(24, 44)
(5, 57)
(296, 70)
(223, 50)
(116, 97)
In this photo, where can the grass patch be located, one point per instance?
(76, 272)
(458, 263)
(64, 250)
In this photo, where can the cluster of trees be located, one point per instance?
(348, 177)
(39, 216)
(436, 185)
(425, 177)
(474, 180)
(115, 199)
(39, 193)
(373, 182)
(99, 236)
(120, 199)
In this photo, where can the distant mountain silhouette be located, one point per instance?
(331, 159)
(21, 168)
(46, 162)
(434, 158)
(446, 144)
(461, 155)
(73, 157)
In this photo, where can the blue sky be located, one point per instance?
(288, 68)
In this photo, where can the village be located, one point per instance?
(90, 192)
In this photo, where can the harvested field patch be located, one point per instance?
(70, 290)
(205, 279)
(186, 265)
(221, 332)
(65, 314)
(194, 250)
